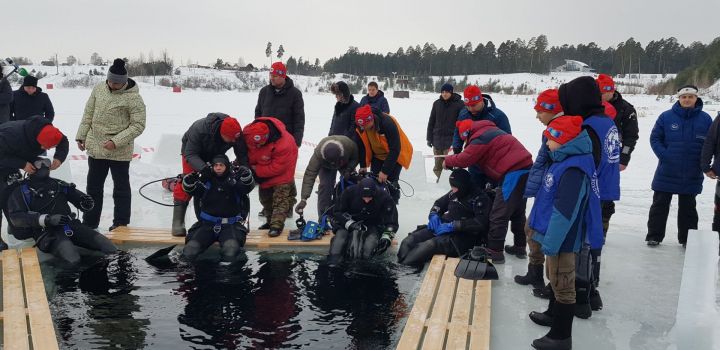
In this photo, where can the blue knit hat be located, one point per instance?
(446, 87)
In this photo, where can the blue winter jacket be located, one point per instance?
(677, 140)
(537, 171)
(377, 102)
(490, 112)
(567, 210)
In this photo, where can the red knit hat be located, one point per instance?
(610, 110)
(363, 115)
(257, 134)
(549, 101)
(279, 69)
(49, 136)
(463, 127)
(230, 128)
(472, 95)
(605, 83)
(563, 129)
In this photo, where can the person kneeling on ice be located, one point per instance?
(37, 208)
(457, 222)
(565, 215)
(224, 206)
(364, 224)
(273, 156)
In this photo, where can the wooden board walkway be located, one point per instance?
(255, 238)
(26, 315)
(449, 312)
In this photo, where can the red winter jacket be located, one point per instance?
(274, 162)
(493, 150)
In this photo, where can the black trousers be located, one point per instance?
(201, 236)
(353, 245)
(420, 246)
(326, 178)
(608, 209)
(97, 173)
(659, 210)
(62, 245)
(393, 176)
(511, 210)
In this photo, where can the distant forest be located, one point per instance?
(696, 63)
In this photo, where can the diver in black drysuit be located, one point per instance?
(38, 208)
(224, 206)
(458, 221)
(365, 220)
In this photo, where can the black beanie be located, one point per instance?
(220, 158)
(460, 178)
(367, 187)
(30, 81)
(332, 151)
(117, 72)
(581, 97)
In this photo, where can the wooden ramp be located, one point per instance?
(255, 239)
(27, 323)
(449, 312)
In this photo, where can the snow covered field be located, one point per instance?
(639, 284)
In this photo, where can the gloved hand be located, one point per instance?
(206, 171)
(352, 225)
(429, 144)
(384, 243)
(86, 203)
(433, 222)
(57, 220)
(191, 178)
(444, 229)
(245, 175)
(300, 206)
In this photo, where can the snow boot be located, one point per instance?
(178, 221)
(595, 300)
(534, 276)
(560, 335)
(276, 231)
(519, 252)
(265, 226)
(544, 318)
(544, 292)
(496, 256)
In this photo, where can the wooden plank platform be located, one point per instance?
(449, 312)
(255, 238)
(26, 315)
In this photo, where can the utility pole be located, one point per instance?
(57, 65)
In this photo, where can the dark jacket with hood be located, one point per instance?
(25, 105)
(343, 119)
(348, 163)
(222, 196)
(490, 112)
(469, 214)
(6, 97)
(202, 141)
(19, 145)
(285, 104)
(381, 211)
(627, 124)
(443, 116)
(378, 102)
(677, 140)
(581, 98)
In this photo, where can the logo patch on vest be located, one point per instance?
(612, 145)
(549, 181)
(675, 127)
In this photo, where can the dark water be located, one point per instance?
(274, 300)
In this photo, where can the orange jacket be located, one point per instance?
(393, 138)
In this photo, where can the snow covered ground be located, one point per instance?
(639, 284)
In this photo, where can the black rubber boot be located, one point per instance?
(274, 232)
(265, 226)
(544, 318)
(534, 277)
(496, 256)
(560, 335)
(544, 292)
(519, 252)
(178, 221)
(595, 300)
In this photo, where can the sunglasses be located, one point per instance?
(474, 98)
(277, 72)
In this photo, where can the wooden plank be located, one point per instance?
(41, 326)
(480, 329)
(460, 319)
(14, 321)
(440, 315)
(413, 331)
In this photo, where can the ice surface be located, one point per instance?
(639, 285)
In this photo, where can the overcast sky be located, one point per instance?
(201, 31)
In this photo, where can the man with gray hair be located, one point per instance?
(114, 116)
(332, 154)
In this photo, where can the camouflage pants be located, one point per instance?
(560, 270)
(535, 252)
(277, 201)
(438, 168)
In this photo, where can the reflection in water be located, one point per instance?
(274, 300)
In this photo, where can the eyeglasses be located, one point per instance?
(474, 98)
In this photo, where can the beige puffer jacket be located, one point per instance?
(112, 115)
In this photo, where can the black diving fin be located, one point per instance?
(474, 265)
